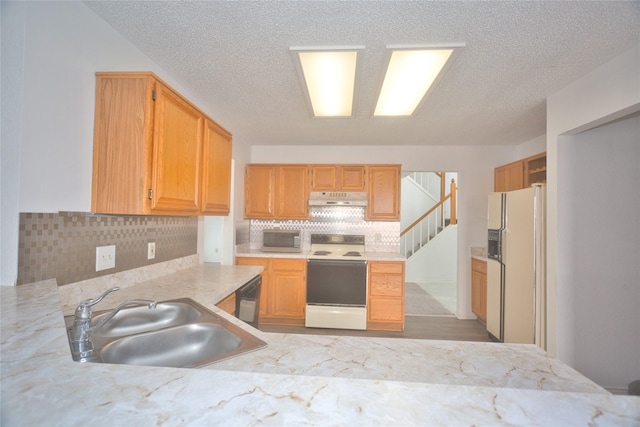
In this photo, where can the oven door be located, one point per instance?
(336, 282)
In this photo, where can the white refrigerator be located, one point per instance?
(516, 282)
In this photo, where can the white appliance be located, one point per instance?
(516, 283)
(338, 198)
(336, 282)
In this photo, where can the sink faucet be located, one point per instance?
(80, 336)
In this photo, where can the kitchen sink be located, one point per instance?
(177, 333)
(135, 320)
(181, 346)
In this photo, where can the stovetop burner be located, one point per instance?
(352, 253)
(337, 246)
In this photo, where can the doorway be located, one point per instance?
(429, 241)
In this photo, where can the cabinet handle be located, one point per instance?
(150, 194)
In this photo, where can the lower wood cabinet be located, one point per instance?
(479, 289)
(228, 304)
(283, 293)
(385, 300)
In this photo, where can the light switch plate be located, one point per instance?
(151, 250)
(105, 257)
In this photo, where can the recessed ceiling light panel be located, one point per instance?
(411, 73)
(329, 76)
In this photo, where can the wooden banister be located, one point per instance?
(452, 195)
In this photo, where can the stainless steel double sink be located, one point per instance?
(177, 333)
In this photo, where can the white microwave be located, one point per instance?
(276, 240)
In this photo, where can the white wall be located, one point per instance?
(599, 251)
(474, 166)
(437, 261)
(602, 344)
(12, 30)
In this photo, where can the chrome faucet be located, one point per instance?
(80, 336)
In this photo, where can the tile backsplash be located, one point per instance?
(380, 236)
(63, 245)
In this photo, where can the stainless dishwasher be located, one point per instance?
(248, 301)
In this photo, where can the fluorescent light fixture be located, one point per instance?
(330, 78)
(411, 72)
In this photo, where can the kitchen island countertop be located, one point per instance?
(295, 380)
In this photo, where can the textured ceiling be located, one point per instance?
(236, 54)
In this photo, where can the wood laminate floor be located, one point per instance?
(415, 327)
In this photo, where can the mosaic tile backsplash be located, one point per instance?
(380, 236)
(63, 245)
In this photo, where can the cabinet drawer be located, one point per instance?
(386, 309)
(288, 264)
(387, 267)
(479, 266)
(386, 285)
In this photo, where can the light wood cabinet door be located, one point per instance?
(259, 191)
(292, 194)
(216, 170)
(352, 178)
(288, 288)
(383, 193)
(385, 302)
(177, 146)
(479, 289)
(509, 177)
(323, 178)
(123, 131)
(337, 177)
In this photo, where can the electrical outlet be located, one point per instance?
(105, 257)
(151, 250)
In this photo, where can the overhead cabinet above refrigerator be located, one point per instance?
(516, 282)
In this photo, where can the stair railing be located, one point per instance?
(430, 224)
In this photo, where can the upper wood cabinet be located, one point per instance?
(276, 191)
(337, 177)
(509, 177)
(148, 149)
(281, 191)
(216, 170)
(383, 202)
(521, 174)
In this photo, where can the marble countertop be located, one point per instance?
(371, 255)
(295, 380)
(479, 253)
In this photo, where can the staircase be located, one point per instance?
(433, 221)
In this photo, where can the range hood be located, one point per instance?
(338, 198)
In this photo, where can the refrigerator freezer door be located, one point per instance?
(494, 217)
